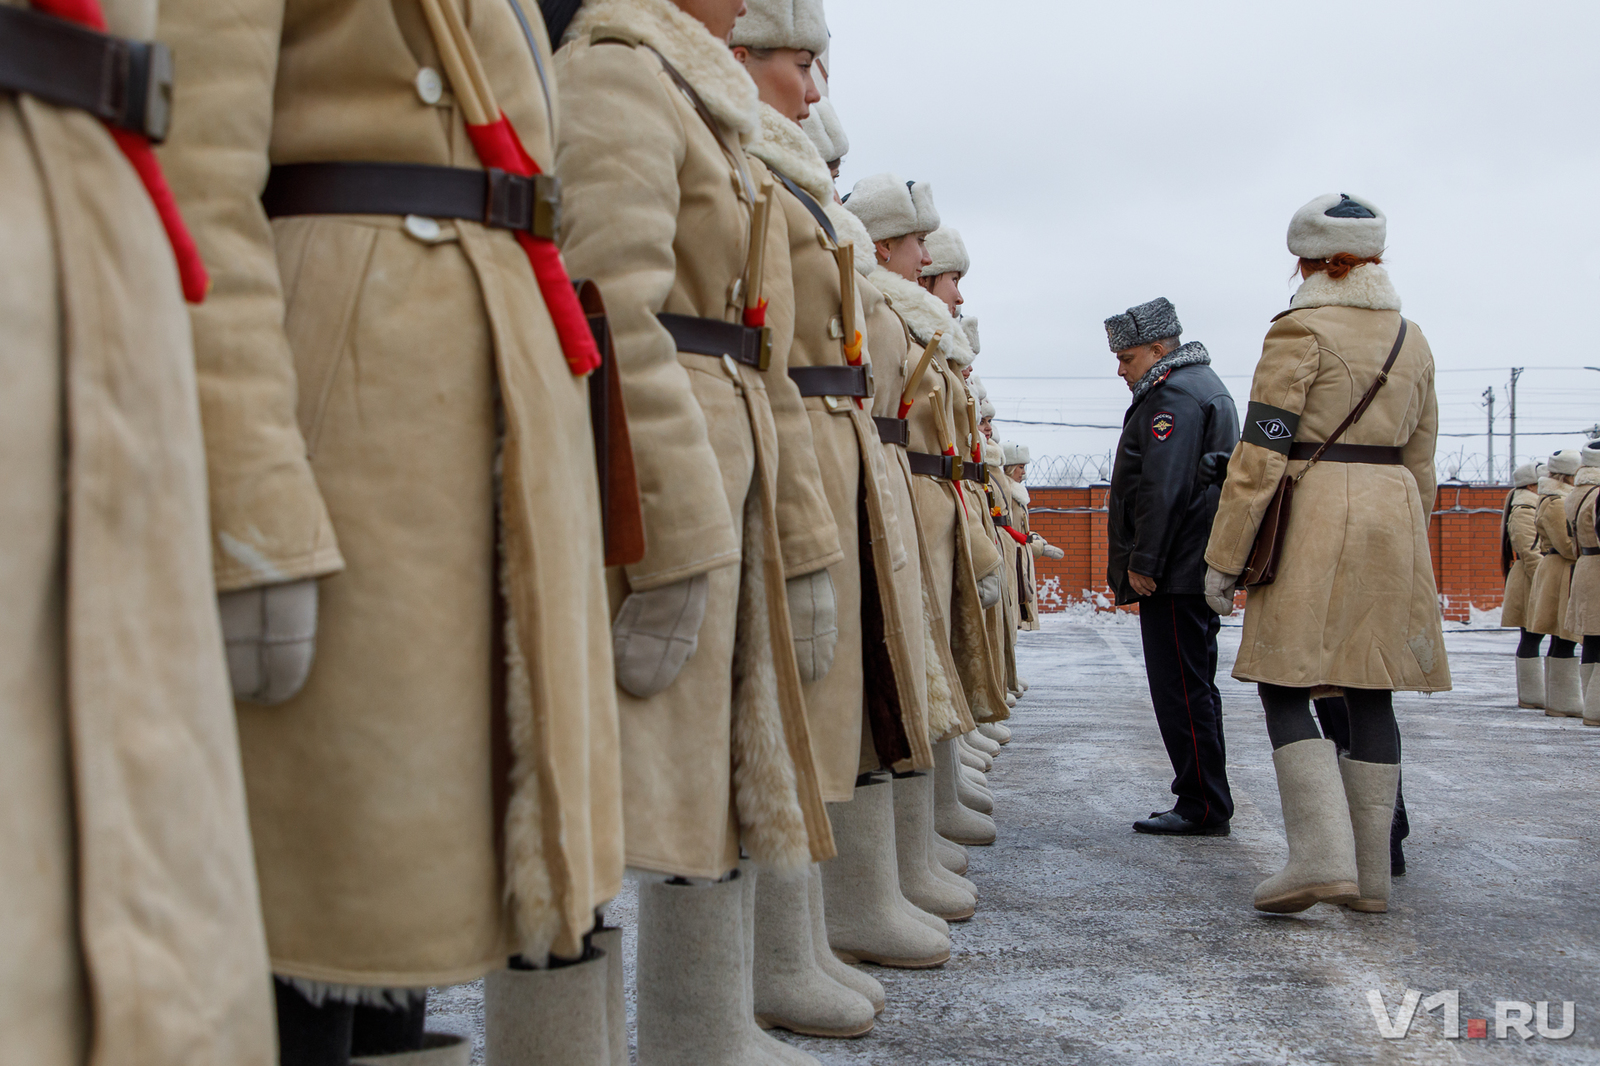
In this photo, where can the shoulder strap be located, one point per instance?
(1366, 401)
(704, 112)
(808, 203)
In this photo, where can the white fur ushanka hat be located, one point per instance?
(1338, 223)
(948, 252)
(826, 131)
(1589, 455)
(1566, 461)
(782, 24)
(1524, 475)
(891, 208)
(969, 326)
(1017, 454)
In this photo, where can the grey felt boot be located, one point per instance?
(1530, 683)
(554, 1017)
(918, 882)
(609, 940)
(921, 816)
(831, 964)
(693, 989)
(1563, 693)
(1591, 705)
(973, 796)
(866, 917)
(952, 819)
(762, 1049)
(1369, 789)
(950, 855)
(438, 1049)
(998, 732)
(792, 991)
(972, 756)
(978, 742)
(1316, 819)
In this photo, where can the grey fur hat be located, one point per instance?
(948, 252)
(1017, 454)
(826, 131)
(1338, 223)
(1145, 324)
(1566, 461)
(782, 24)
(891, 208)
(1524, 475)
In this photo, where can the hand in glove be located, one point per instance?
(270, 632)
(1214, 468)
(1219, 591)
(656, 632)
(1052, 552)
(814, 615)
(989, 590)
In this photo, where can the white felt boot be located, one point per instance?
(978, 742)
(1530, 683)
(950, 855)
(917, 880)
(1369, 789)
(438, 1049)
(792, 991)
(1563, 688)
(609, 940)
(972, 795)
(972, 757)
(996, 731)
(553, 1017)
(836, 968)
(922, 814)
(1316, 819)
(952, 819)
(764, 1049)
(1591, 704)
(866, 916)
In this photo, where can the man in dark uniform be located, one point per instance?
(1178, 431)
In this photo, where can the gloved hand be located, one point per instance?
(656, 632)
(1052, 552)
(1219, 591)
(814, 615)
(989, 590)
(270, 632)
(1214, 468)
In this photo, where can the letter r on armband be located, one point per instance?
(1270, 427)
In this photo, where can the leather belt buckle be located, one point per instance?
(893, 430)
(951, 467)
(546, 206)
(142, 90)
(514, 202)
(866, 372)
(756, 347)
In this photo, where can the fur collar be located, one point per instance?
(924, 314)
(1019, 493)
(784, 147)
(1189, 354)
(1587, 475)
(1366, 286)
(851, 231)
(705, 62)
(1549, 486)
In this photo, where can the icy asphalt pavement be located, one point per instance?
(1095, 945)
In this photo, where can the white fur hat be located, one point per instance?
(1589, 455)
(782, 24)
(969, 326)
(1524, 475)
(1017, 453)
(891, 208)
(979, 390)
(826, 131)
(1542, 470)
(948, 252)
(1566, 461)
(1338, 223)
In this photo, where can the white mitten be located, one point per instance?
(1219, 591)
(1052, 552)
(271, 635)
(655, 633)
(814, 616)
(989, 590)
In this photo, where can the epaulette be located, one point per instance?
(1280, 314)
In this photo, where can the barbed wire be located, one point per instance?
(1070, 471)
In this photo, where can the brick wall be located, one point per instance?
(1464, 537)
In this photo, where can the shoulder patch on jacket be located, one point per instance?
(613, 35)
(1269, 427)
(1162, 425)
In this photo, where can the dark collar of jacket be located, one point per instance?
(1185, 355)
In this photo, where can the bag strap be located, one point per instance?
(700, 108)
(1361, 408)
(808, 203)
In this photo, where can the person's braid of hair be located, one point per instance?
(1339, 264)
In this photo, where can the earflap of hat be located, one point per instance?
(969, 326)
(927, 214)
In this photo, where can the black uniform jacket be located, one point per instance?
(1159, 512)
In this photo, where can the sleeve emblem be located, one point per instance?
(1274, 429)
(1162, 424)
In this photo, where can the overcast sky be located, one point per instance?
(1097, 155)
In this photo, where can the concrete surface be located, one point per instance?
(1095, 945)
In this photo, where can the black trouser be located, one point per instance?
(330, 1033)
(1180, 661)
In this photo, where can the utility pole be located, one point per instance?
(1516, 372)
(1488, 400)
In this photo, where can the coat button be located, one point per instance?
(422, 228)
(430, 87)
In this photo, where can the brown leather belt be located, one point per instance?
(120, 81)
(893, 430)
(1589, 551)
(948, 467)
(1375, 454)
(711, 336)
(494, 197)
(833, 380)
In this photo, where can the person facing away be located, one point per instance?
(1176, 436)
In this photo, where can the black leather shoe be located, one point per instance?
(1171, 823)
